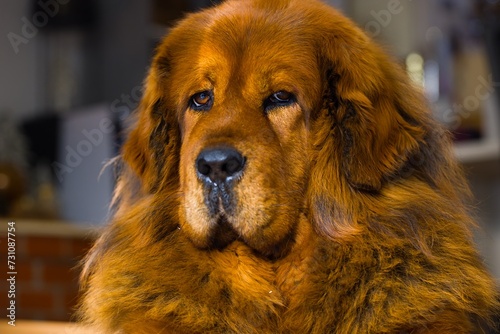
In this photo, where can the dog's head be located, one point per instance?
(252, 118)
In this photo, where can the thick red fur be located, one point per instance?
(350, 215)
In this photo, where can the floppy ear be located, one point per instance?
(376, 112)
(152, 147)
(369, 127)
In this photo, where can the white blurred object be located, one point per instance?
(488, 147)
(87, 143)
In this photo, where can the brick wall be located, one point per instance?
(47, 275)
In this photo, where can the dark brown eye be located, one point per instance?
(281, 98)
(202, 100)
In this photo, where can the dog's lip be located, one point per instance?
(220, 199)
(223, 233)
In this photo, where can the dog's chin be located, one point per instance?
(216, 220)
(222, 234)
(268, 241)
(210, 226)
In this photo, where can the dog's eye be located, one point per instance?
(201, 101)
(279, 99)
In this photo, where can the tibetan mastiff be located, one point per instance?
(284, 176)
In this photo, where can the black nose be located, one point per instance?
(221, 164)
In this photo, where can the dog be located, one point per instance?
(284, 176)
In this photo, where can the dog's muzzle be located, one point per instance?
(218, 169)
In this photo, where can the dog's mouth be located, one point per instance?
(220, 201)
(229, 215)
(223, 234)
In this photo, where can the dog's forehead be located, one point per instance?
(258, 33)
(268, 50)
(238, 45)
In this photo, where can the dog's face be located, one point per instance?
(244, 134)
(251, 118)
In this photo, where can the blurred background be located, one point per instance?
(72, 73)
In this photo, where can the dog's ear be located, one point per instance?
(374, 132)
(368, 129)
(152, 146)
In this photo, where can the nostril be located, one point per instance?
(219, 164)
(203, 167)
(232, 166)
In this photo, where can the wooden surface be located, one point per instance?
(52, 228)
(42, 327)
